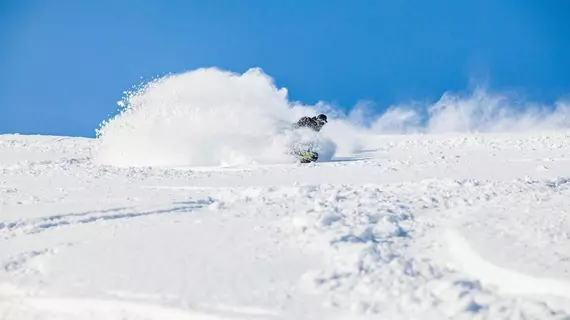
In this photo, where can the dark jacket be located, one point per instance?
(311, 123)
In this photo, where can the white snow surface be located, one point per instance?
(447, 226)
(187, 206)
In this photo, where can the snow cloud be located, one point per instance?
(206, 117)
(479, 111)
(211, 117)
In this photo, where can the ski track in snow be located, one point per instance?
(45, 223)
(412, 227)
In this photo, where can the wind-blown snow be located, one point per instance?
(479, 111)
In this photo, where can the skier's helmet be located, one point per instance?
(322, 119)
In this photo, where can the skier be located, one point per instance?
(306, 153)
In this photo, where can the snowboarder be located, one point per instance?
(306, 153)
(314, 123)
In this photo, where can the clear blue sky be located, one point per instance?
(65, 63)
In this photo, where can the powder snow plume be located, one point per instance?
(211, 117)
(205, 117)
(478, 111)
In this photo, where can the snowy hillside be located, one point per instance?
(188, 206)
(410, 227)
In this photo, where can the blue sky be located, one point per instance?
(65, 63)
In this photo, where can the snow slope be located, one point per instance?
(462, 226)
